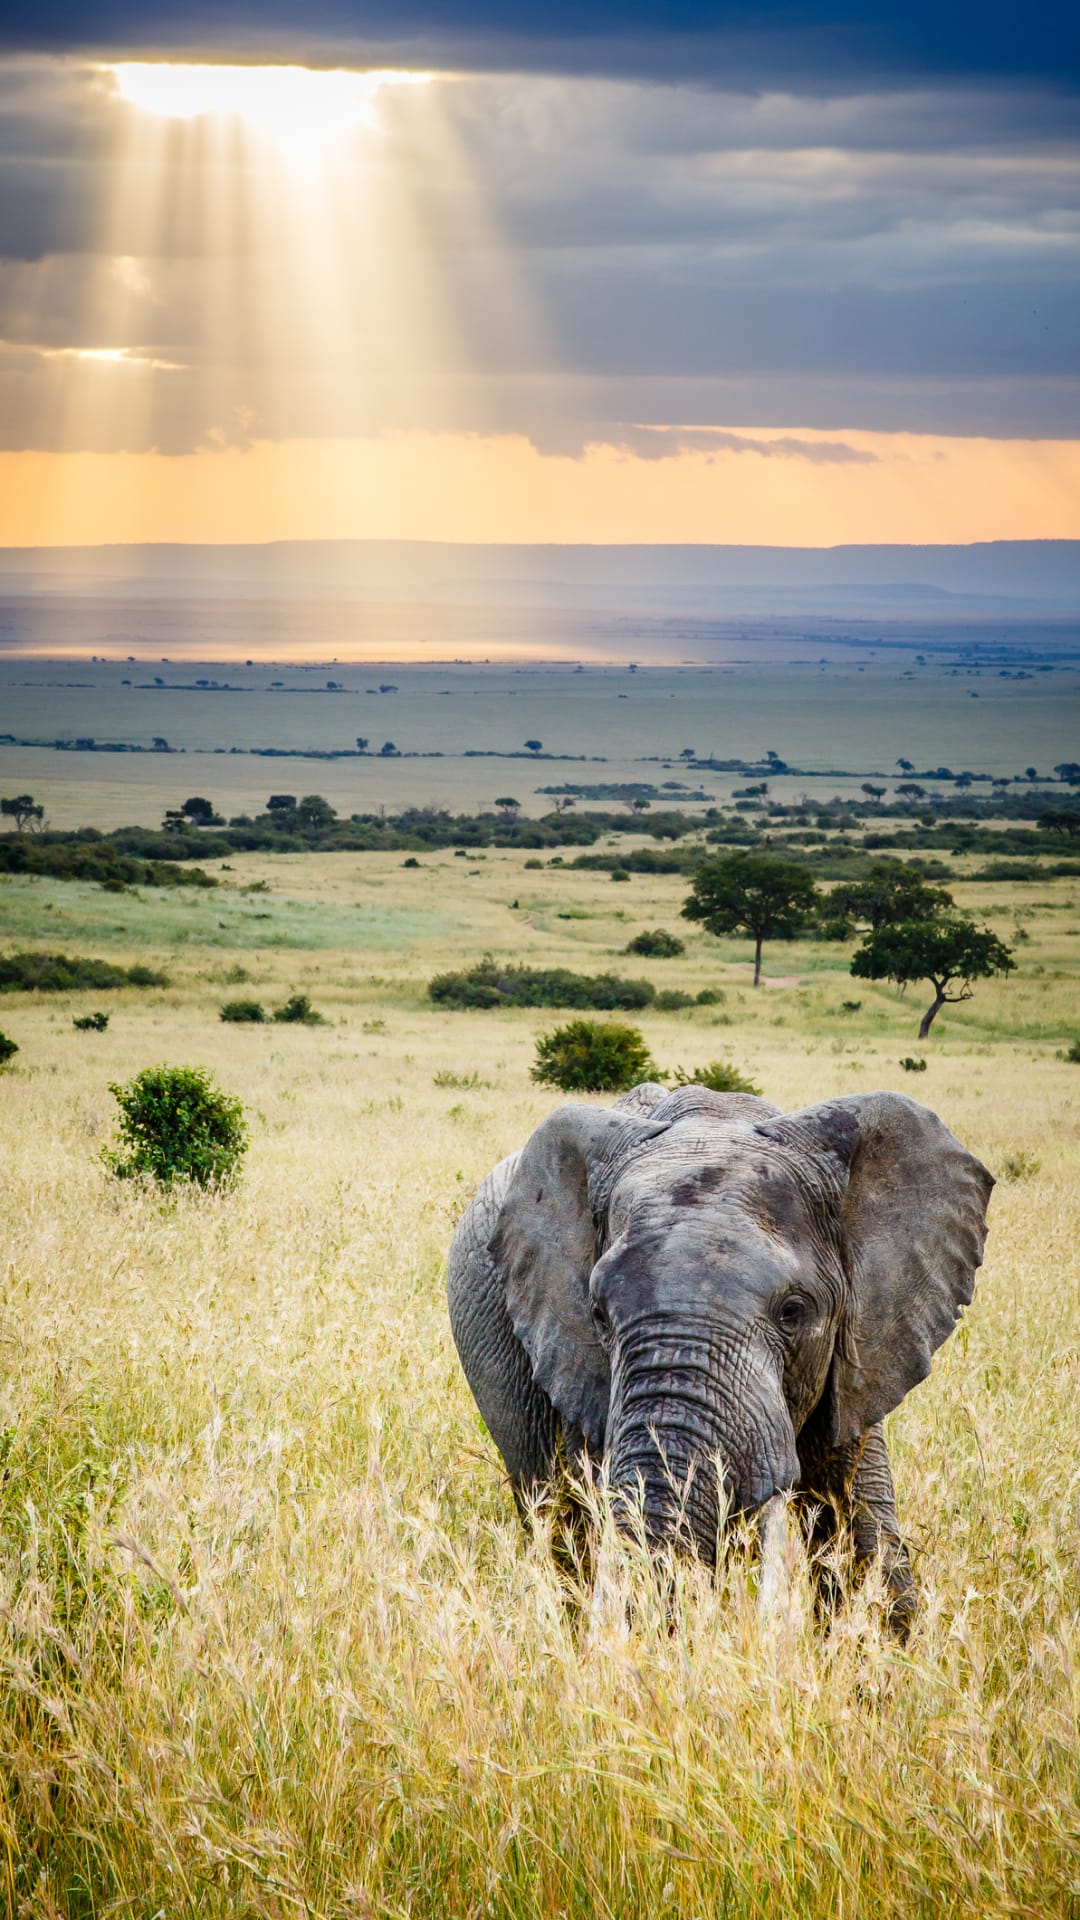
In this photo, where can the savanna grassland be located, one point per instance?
(273, 1640)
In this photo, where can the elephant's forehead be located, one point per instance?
(702, 1167)
(712, 1156)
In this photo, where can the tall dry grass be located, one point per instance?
(272, 1641)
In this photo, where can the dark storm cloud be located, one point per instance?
(816, 45)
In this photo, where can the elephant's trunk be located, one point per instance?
(696, 1435)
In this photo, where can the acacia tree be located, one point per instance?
(24, 810)
(889, 892)
(200, 811)
(314, 814)
(950, 952)
(752, 893)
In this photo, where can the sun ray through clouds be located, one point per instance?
(286, 222)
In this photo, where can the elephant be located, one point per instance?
(717, 1302)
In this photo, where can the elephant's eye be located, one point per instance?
(792, 1312)
(600, 1318)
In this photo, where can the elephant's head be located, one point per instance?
(694, 1275)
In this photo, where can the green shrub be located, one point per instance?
(176, 1125)
(411, 861)
(298, 1011)
(835, 928)
(672, 999)
(64, 857)
(8, 1049)
(620, 873)
(243, 1012)
(490, 985)
(711, 997)
(593, 1056)
(90, 1022)
(913, 1064)
(66, 973)
(656, 944)
(720, 1076)
(1073, 1053)
(531, 865)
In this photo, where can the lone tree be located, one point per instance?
(889, 893)
(508, 806)
(534, 746)
(949, 952)
(752, 893)
(314, 814)
(24, 810)
(200, 811)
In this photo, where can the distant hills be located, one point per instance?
(1002, 576)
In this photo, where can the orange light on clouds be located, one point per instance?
(913, 488)
(287, 210)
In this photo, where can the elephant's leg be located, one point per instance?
(852, 1488)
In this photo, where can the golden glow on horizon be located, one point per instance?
(293, 106)
(426, 486)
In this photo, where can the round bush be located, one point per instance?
(90, 1022)
(298, 1012)
(720, 1076)
(593, 1056)
(620, 873)
(672, 1000)
(175, 1124)
(8, 1049)
(243, 1012)
(656, 944)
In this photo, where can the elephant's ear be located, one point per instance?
(913, 1226)
(545, 1246)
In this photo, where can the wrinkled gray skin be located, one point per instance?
(689, 1277)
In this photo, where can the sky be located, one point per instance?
(784, 273)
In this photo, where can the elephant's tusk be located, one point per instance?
(775, 1549)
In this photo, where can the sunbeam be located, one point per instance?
(293, 106)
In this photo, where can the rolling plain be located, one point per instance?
(274, 1641)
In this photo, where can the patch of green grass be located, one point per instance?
(80, 913)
